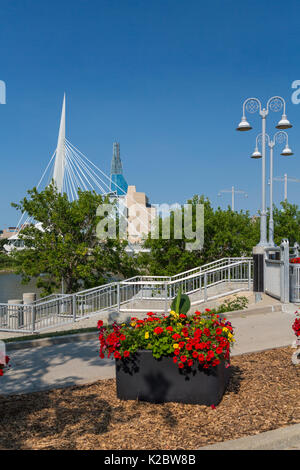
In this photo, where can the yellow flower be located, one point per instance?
(133, 323)
(175, 346)
(225, 329)
(146, 335)
(172, 312)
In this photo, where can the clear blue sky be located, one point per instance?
(165, 78)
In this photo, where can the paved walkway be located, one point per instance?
(286, 438)
(69, 363)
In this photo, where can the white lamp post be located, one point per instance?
(252, 105)
(279, 137)
(233, 192)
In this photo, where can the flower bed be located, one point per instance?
(149, 351)
(200, 338)
(295, 260)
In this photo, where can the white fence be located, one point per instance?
(135, 294)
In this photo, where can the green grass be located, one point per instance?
(50, 335)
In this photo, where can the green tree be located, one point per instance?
(226, 234)
(286, 223)
(65, 245)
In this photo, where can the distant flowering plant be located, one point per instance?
(3, 364)
(203, 338)
(296, 325)
(295, 260)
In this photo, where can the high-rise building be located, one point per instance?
(118, 182)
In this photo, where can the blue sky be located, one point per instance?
(165, 78)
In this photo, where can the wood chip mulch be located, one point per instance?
(263, 394)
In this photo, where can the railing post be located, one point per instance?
(205, 287)
(118, 297)
(296, 250)
(74, 307)
(249, 275)
(285, 271)
(166, 298)
(33, 315)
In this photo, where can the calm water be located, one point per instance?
(11, 287)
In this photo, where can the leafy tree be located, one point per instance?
(286, 223)
(65, 245)
(226, 234)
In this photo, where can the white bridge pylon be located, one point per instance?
(71, 170)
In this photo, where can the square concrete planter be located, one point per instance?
(142, 377)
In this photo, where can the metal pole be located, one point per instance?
(118, 297)
(74, 307)
(166, 298)
(271, 221)
(33, 313)
(249, 275)
(285, 187)
(263, 217)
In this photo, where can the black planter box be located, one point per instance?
(145, 378)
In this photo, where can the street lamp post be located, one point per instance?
(252, 105)
(233, 192)
(279, 137)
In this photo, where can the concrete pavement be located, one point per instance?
(286, 438)
(76, 361)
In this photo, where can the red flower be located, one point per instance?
(176, 336)
(175, 359)
(182, 315)
(100, 323)
(126, 353)
(158, 330)
(183, 358)
(150, 313)
(206, 332)
(190, 362)
(177, 352)
(117, 355)
(180, 365)
(181, 344)
(169, 328)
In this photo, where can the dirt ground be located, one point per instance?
(263, 394)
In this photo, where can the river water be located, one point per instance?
(11, 287)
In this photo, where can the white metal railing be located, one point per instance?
(202, 283)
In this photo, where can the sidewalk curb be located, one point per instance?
(285, 438)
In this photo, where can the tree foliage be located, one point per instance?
(65, 246)
(226, 234)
